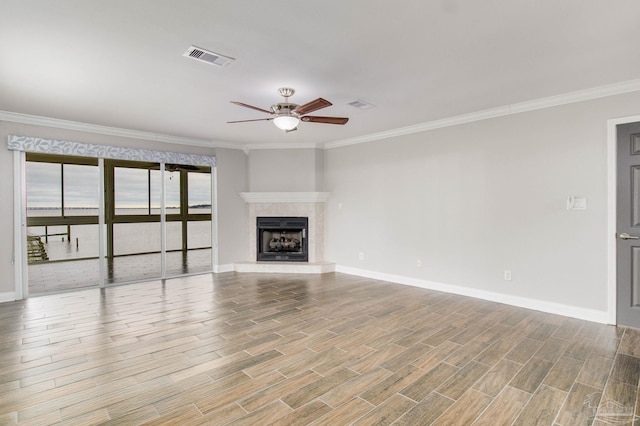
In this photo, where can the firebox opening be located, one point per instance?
(282, 239)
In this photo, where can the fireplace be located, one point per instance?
(282, 239)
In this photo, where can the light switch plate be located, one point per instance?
(576, 203)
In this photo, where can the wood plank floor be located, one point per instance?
(331, 349)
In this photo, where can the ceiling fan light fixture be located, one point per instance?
(286, 115)
(286, 122)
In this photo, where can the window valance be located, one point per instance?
(61, 147)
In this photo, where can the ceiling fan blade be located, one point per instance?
(326, 120)
(246, 121)
(312, 106)
(252, 107)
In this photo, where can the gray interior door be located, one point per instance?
(628, 225)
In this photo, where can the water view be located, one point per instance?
(63, 242)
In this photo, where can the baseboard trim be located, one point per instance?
(7, 297)
(521, 302)
(219, 269)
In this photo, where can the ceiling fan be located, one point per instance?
(286, 115)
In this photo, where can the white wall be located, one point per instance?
(473, 200)
(233, 233)
(231, 179)
(285, 170)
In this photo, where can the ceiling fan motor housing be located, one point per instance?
(284, 109)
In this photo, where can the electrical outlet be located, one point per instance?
(418, 263)
(361, 256)
(507, 275)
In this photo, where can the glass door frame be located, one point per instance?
(23, 144)
(184, 216)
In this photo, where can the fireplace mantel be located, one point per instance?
(284, 197)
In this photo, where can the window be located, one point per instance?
(132, 191)
(61, 189)
(81, 189)
(44, 189)
(199, 193)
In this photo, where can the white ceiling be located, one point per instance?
(119, 63)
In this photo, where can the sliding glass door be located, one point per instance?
(132, 217)
(141, 200)
(62, 223)
(196, 224)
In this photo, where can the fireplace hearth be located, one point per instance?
(282, 239)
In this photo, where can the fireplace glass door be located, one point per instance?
(282, 239)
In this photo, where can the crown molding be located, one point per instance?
(423, 127)
(284, 197)
(35, 120)
(283, 145)
(548, 102)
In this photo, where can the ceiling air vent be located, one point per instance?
(207, 56)
(361, 104)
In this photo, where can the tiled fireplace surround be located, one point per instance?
(291, 204)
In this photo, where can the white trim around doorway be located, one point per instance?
(21, 289)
